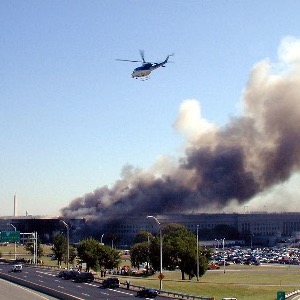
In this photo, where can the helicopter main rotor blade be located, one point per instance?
(128, 60)
(142, 55)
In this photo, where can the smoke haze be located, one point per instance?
(221, 167)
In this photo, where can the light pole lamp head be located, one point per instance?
(14, 227)
(63, 222)
(152, 217)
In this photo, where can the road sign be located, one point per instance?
(10, 236)
(280, 295)
(161, 276)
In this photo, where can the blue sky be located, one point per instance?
(71, 116)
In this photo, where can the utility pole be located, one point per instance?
(68, 242)
(197, 252)
(160, 276)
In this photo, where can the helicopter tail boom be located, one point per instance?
(166, 60)
(162, 64)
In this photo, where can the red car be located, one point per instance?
(213, 266)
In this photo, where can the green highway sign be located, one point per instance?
(10, 236)
(280, 295)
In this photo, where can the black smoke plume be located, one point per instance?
(249, 155)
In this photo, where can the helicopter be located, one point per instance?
(147, 67)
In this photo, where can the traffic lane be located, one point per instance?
(80, 290)
(11, 290)
(111, 293)
(91, 291)
(97, 291)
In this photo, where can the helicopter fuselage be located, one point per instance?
(146, 69)
(142, 71)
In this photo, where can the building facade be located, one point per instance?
(264, 228)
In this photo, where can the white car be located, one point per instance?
(17, 268)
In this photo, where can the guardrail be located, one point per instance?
(170, 294)
(292, 294)
(184, 296)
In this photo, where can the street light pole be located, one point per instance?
(160, 238)
(68, 242)
(197, 252)
(217, 243)
(15, 247)
(101, 239)
(224, 252)
(36, 247)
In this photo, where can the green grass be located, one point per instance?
(240, 281)
(8, 253)
(9, 250)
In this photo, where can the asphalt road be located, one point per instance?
(48, 278)
(13, 291)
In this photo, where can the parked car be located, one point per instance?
(84, 277)
(213, 266)
(17, 268)
(147, 293)
(111, 282)
(71, 274)
(62, 273)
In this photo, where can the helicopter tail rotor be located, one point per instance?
(169, 57)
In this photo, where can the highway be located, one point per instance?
(13, 291)
(67, 289)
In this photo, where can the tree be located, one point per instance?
(29, 246)
(139, 253)
(88, 250)
(96, 255)
(108, 258)
(142, 236)
(179, 250)
(72, 254)
(59, 247)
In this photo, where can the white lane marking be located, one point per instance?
(46, 273)
(122, 292)
(85, 294)
(105, 293)
(92, 284)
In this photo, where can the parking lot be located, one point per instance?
(257, 256)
